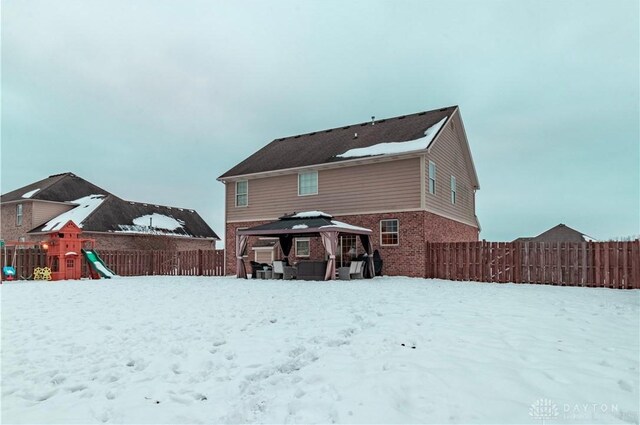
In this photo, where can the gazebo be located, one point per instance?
(309, 223)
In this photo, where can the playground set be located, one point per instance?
(64, 251)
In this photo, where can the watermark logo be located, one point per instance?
(544, 410)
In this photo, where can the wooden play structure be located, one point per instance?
(64, 249)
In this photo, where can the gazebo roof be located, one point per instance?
(304, 224)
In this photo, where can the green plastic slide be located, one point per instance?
(96, 263)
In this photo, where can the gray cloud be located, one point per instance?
(154, 100)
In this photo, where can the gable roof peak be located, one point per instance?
(70, 174)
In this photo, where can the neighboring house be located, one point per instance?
(410, 179)
(29, 213)
(559, 233)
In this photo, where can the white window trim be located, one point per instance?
(247, 194)
(435, 173)
(388, 233)
(454, 190)
(307, 240)
(317, 182)
(20, 215)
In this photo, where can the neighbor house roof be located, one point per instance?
(97, 210)
(57, 188)
(559, 233)
(340, 144)
(119, 216)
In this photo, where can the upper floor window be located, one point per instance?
(19, 215)
(302, 248)
(242, 193)
(308, 183)
(432, 177)
(389, 232)
(453, 189)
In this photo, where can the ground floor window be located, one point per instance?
(389, 232)
(302, 247)
(263, 255)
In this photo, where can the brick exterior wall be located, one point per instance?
(8, 229)
(405, 259)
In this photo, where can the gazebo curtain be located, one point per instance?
(330, 242)
(369, 271)
(285, 244)
(241, 246)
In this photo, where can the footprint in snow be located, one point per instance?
(218, 342)
(76, 388)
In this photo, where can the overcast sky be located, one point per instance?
(154, 100)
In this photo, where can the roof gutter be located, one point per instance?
(327, 165)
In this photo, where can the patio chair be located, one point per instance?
(255, 267)
(354, 271)
(282, 271)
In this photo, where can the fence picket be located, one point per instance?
(614, 265)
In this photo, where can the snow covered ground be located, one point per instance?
(390, 350)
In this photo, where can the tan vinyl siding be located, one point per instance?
(385, 186)
(45, 211)
(448, 155)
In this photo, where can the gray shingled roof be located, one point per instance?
(113, 214)
(320, 147)
(117, 215)
(58, 187)
(312, 222)
(559, 233)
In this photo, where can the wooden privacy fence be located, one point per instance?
(604, 264)
(176, 263)
(129, 263)
(23, 260)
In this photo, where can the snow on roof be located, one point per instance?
(86, 205)
(146, 230)
(310, 214)
(397, 147)
(343, 225)
(158, 221)
(588, 238)
(300, 226)
(30, 193)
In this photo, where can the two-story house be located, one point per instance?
(31, 212)
(410, 179)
